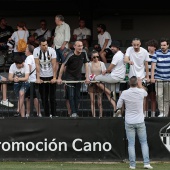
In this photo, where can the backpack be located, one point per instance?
(22, 44)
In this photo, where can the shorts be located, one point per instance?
(151, 88)
(108, 52)
(93, 88)
(28, 92)
(21, 86)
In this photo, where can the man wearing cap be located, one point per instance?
(114, 73)
(104, 41)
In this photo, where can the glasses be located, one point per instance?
(95, 57)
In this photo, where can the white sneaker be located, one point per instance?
(74, 115)
(27, 115)
(132, 167)
(39, 115)
(6, 103)
(148, 166)
(117, 113)
(161, 115)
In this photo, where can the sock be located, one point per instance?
(152, 114)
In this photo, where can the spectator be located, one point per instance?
(43, 31)
(96, 67)
(138, 58)
(32, 78)
(74, 62)
(160, 71)
(5, 33)
(19, 74)
(21, 33)
(82, 33)
(152, 46)
(45, 60)
(104, 41)
(134, 120)
(114, 73)
(61, 38)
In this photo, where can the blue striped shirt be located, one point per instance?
(162, 60)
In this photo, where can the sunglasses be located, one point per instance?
(95, 57)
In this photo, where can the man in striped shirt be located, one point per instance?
(160, 71)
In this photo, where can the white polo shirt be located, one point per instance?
(133, 99)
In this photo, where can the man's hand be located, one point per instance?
(39, 81)
(53, 80)
(87, 81)
(59, 81)
(131, 62)
(153, 80)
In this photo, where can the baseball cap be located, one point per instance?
(115, 43)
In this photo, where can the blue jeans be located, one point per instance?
(131, 130)
(60, 56)
(73, 93)
(21, 86)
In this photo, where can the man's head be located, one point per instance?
(115, 46)
(78, 46)
(43, 44)
(82, 22)
(29, 50)
(59, 19)
(19, 61)
(3, 22)
(164, 43)
(133, 81)
(136, 43)
(101, 28)
(43, 24)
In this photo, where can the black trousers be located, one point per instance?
(48, 96)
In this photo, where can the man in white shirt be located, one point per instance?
(104, 41)
(32, 78)
(82, 33)
(45, 60)
(134, 120)
(114, 73)
(61, 38)
(43, 31)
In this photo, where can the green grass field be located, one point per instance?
(76, 166)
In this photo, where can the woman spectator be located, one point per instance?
(95, 68)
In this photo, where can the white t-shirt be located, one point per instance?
(119, 69)
(21, 35)
(19, 72)
(139, 58)
(102, 38)
(82, 33)
(133, 99)
(30, 61)
(40, 31)
(46, 69)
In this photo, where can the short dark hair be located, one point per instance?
(164, 39)
(18, 59)
(30, 48)
(42, 39)
(133, 81)
(153, 43)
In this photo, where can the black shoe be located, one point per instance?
(117, 113)
(16, 114)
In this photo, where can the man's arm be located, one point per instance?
(54, 66)
(37, 64)
(153, 65)
(127, 60)
(59, 80)
(87, 81)
(147, 70)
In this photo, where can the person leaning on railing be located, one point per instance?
(74, 62)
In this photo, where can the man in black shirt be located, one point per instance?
(74, 62)
(5, 33)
